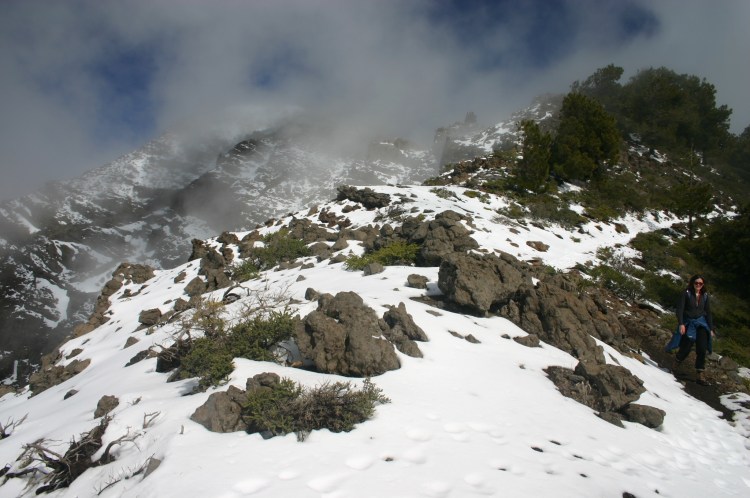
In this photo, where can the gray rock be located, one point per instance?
(150, 317)
(105, 405)
(416, 281)
(530, 341)
(222, 411)
(649, 416)
(373, 269)
(478, 283)
(344, 336)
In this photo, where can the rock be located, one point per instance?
(130, 341)
(560, 316)
(222, 411)
(150, 317)
(195, 287)
(402, 331)
(615, 384)
(537, 245)
(105, 405)
(367, 197)
(344, 336)
(530, 341)
(478, 283)
(139, 356)
(70, 393)
(438, 238)
(416, 281)
(606, 388)
(642, 414)
(51, 375)
(373, 268)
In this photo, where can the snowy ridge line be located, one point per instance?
(465, 420)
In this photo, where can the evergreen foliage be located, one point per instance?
(288, 407)
(587, 139)
(210, 358)
(397, 253)
(532, 170)
(277, 247)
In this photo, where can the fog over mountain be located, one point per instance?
(83, 82)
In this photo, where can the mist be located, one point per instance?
(83, 82)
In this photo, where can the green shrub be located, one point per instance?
(255, 338)
(268, 408)
(244, 270)
(287, 407)
(443, 193)
(278, 247)
(397, 253)
(210, 357)
(656, 251)
(209, 360)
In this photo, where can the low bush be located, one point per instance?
(277, 247)
(287, 407)
(398, 253)
(244, 270)
(210, 358)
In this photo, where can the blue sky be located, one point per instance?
(84, 81)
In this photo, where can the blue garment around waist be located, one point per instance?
(691, 331)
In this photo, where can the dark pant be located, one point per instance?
(701, 346)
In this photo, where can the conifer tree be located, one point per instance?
(532, 171)
(587, 139)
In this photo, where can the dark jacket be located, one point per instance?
(689, 308)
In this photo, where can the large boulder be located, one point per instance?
(555, 311)
(479, 283)
(609, 389)
(222, 411)
(402, 331)
(443, 236)
(366, 196)
(345, 337)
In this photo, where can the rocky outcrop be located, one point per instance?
(126, 273)
(480, 283)
(438, 238)
(366, 196)
(608, 389)
(51, 375)
(402, 331)
(345, 336)
(222, 411)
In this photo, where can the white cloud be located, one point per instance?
(379, 65)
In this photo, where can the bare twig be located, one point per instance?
(7, 429)
(148, 419)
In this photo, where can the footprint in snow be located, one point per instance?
(360, 462)
(326, 484)
(419, 435)
(250, 486)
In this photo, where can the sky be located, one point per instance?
(465, 420)
(83, 81)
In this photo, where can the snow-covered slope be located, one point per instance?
(59, 245)
(467, 419)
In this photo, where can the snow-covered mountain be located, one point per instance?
(475, 415)
(59, 245)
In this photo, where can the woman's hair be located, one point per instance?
(691, 287)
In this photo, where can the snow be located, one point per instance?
(465, 420)
(60, 298)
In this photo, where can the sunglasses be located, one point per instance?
(698, 283)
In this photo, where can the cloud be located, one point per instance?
(84, 81)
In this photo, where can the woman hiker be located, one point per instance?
(695, 326)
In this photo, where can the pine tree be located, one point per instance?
(587, 139)
(532, 170)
